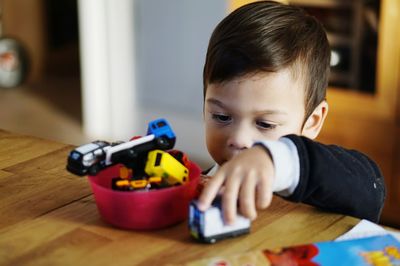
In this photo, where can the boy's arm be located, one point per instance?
(337, 179)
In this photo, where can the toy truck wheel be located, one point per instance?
(94, 170)
(163, 143)
(212, 240)
(132, 154)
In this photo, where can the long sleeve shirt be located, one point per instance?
(327, 176)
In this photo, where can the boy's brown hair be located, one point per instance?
(268, 36)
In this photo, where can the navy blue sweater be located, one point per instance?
(338, 180)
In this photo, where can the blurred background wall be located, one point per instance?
(172, 38)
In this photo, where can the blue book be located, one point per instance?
(376, 250)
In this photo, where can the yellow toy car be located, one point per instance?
(163, 164)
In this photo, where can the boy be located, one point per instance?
(265, 80)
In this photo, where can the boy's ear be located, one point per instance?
(315, 121)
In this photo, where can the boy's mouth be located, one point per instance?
(234, 153)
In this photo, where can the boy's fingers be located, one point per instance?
(247, 197)
(230, 197)
(264, 192)
(210, 191)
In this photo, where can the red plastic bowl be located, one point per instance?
(151, 209)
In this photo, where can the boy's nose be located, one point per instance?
(239, 140)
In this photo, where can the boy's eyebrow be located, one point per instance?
(216, 102)
(262, 112)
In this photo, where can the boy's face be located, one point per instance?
(262, 106)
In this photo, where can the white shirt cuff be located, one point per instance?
(213, 170)
(287, 165)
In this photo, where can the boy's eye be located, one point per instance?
(222, 118)
(265, 125)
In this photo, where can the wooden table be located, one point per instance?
(49, 217)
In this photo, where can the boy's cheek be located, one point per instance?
(216, 148)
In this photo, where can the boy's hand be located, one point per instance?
(248, 177)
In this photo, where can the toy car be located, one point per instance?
(163, 164)
(133, 154)
(161, 129)
(181, 157)
(208, 226)
(88, 158)
(141, 184)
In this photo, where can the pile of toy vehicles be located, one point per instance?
(146, 162)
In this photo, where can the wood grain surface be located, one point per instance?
(49, 217)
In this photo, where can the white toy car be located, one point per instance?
(208, 226)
